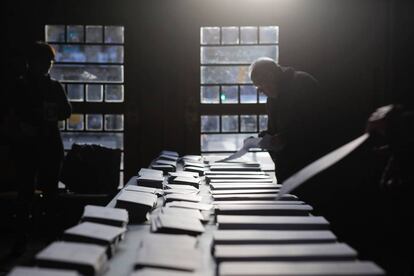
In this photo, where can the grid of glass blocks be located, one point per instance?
(231, 94)
(109, 93)
(233, 123)
(90, 64)
(225, 56)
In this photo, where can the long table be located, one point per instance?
(122, 264)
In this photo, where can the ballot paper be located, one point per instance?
(38, 271)
(344, 268)
(248, 144)
(320, 165)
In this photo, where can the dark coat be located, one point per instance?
(297, 116)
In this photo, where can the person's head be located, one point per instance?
(40, 58)
(265, 74)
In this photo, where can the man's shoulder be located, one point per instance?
(304, 76)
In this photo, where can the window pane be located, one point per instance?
(269, 34)
(210, 94)
(229, 123)
(74, 33)
(55, 33)
(94, 93)
(75, 122)
(110, 140)
(94, 34)
(248, 123)
(210, 35)
(230, 35)
(222, 142)
(224, 74)
(88, 73)
(248, 94)
(75, 92)
(210, 124)
(263, 122)
(114, 93)
(89, 53)
(236, 54)
(114, 34)
(93, 122)
(262, 97)
(248, 35)
(114, 122)
(229, 94)
(122, 161)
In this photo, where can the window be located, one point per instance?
(90, 64)
(231, 109)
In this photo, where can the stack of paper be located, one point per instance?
(105, 215)
(272, 222)
(317, 268)
(87, 259)
(38, 271)
(137, 204)
(176, 224)
(264, 210)
(150, 180)
(272, 237)
(95, 233)
(285, 252)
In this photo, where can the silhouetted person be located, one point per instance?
(36, 104)
(294, 112)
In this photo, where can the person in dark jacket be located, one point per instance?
(294, 106)
(36, 104)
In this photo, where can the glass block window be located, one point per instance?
(90, 64)
(225, 56)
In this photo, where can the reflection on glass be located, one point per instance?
(94, 34)
(210, 35)
(229, 123)
(262, 97)
(230, 35)
(210, 94)
(55, 33)
(269, 34)
(75, 92)
(248, 94)
(93, 122)
(87, 73)
(75, 122)
(222, 142)
(248, 35)
(263, 122)
(74, 33)
(236, 54)
(110, 140)
(114, 122)
(210, 123)
(94, 93)
(114, 93)
(122, 161)
(224, 74)
(229, 94)
(248, 123)
(114, 34)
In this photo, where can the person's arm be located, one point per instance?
(64, 107)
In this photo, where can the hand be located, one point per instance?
(263, 133)
(378, 121)
(271, 142)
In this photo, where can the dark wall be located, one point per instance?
(344, 44)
